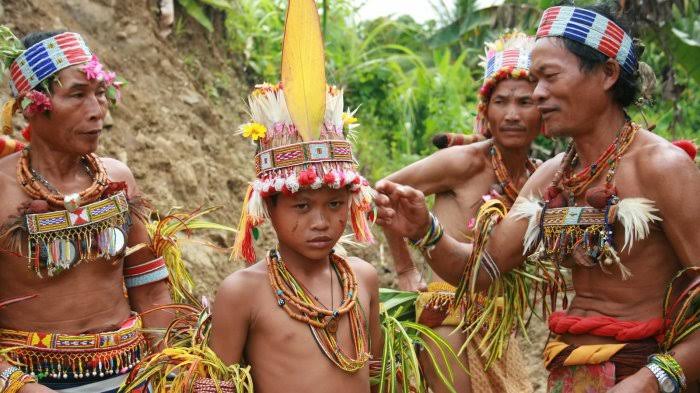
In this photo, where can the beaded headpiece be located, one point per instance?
(31, 67)
(300, 131)
(592, 29)
(507, 57)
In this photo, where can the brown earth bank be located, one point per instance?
(175, 127)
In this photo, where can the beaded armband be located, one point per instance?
(145, 273)
(208, 385)
(431, 238)
(668, 372)
(13, 379)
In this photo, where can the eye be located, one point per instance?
(526, 101)
(336, 204)
(301, 206)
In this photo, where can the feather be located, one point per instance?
(303, 68)
(529, 209)
(635, 214)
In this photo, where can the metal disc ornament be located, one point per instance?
(58, 254)
(111, 242)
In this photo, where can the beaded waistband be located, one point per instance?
(57, 355)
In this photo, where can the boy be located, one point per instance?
(304, 318)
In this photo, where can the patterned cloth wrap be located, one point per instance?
(593, 368)
(81, 359)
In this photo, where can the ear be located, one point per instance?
(611, 73)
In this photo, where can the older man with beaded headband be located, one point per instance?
(67, 219)
(618, 208)
(463, 178)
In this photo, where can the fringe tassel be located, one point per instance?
(358, 212)
(243, 248)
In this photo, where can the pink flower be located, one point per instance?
(109, 77)
(93, 69)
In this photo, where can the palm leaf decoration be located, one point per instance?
(400, 368)
(186, 358)
(510, 300)
(166, 243)
(683, 313)
(303, 68)
(10, 47)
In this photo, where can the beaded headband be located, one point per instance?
(507, 57)
(300, 130)
(46, 58)
(592, 29)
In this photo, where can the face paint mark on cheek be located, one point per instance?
(296, 226)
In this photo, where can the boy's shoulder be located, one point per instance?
(364, 270)
(243, 282)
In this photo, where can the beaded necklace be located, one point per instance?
(299, 304)
(38, 187)
(505, 183)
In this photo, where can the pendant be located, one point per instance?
(71, 201)
(332, 325)
(58, 255)
(111, 242)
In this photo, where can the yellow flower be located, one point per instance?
(254, 131)
(348, 119)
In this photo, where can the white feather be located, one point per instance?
(635, 214)
(530, 209)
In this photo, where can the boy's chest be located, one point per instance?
(274, 329)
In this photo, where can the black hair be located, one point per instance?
(627, 87)
(34, 38)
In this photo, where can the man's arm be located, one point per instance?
(231, 317)
(402, 210)
(152, 294)
(673, 183)
(439, 172)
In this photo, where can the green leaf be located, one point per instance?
(223, 5)
(686, 51)
(196, 11)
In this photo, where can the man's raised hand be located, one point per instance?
(401, 209)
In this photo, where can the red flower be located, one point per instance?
(36, 102)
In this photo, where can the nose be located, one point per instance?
(512, 114)
(540, 94)
(320, 221)
(96, 108)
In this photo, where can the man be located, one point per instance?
(619, 208)
(67, 218)
(462, 178)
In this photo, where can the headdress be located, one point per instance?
(507, 57)
(31, 67)
(591, 29)
(301, 132)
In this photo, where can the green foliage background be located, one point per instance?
(413, 80)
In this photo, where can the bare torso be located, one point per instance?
(282, 352)
(652, 261)
(87, 298)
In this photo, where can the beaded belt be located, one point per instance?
(62, 356)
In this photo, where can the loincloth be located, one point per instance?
(596, 368)
(507, 375)
(74, 360)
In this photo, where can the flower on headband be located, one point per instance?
(348, 119)
(253, 131)
(93, 69)
(36, 102)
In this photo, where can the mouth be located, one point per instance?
(320, 242)
(546, 110)
(94, 132)
(512, 129)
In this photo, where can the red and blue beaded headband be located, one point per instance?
(592, 29)
(512, 58)
(46, 58)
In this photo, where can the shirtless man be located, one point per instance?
(583, 86)
(65, 285)
(462, 177)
